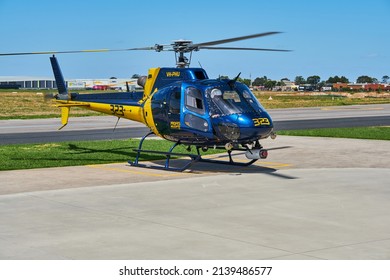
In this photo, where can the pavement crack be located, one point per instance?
(343, 245)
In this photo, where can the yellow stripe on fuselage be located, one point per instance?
(148, 116)
(133, 113)
(141, 113)
(152, 76)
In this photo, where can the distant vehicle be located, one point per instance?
(306, 88)
(101, 87)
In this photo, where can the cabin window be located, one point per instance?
(194, 100)
(174, 101)
(200, 75)
(196, 122)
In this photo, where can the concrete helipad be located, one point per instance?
(313, 198)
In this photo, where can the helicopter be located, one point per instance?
(181, 104)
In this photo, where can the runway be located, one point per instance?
(313, 198)
(99, 128)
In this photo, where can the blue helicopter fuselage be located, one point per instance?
(209, 112)
(183, 104)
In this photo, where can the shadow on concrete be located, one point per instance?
(207, 167)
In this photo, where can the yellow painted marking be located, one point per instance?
(173, 74)
(175, 125)
(261, 121)
(273, 164)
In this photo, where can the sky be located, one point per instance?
(327, 37)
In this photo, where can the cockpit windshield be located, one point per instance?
(223, 100)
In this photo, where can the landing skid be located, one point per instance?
(193, 158)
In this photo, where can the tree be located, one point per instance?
(270, 84)
(245, 81)
(299, 80)
(343, 79)
(364, 79)
(333, 80)
(260, 81)
(313, 80)
(385, 79)
(337, 79)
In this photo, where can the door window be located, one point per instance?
(194, 100)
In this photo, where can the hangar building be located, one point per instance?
(27, 82)
(30, 82)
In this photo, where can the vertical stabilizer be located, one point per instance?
(61, 85)
(64, 116)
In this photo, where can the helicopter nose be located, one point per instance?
(246, 127)
(228, 130)
(255, 127)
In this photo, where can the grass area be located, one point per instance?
(31, 105)
(296, 101)
(28, 104)
(378, 133)
(27, 156)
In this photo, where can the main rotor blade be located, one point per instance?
(79, 51)
(243, 49)
(52, 52)
(224, 41)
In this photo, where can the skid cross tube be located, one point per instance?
(230, 162)
(193, 158)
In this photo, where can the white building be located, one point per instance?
(31, 82)
(27, 82)
(102, 84)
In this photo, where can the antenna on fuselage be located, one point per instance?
(232, 82)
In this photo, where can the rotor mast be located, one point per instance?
(180, 47)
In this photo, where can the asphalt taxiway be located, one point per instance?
(313, 198)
